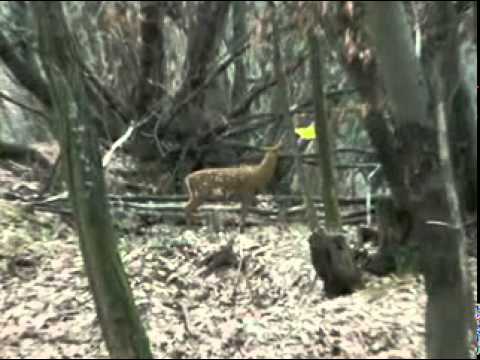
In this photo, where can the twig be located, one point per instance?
(237, 280)
(262, 88)
(117, 144)
(186, 320)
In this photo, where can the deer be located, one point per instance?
(242, 181)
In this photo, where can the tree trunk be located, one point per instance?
(324, 138)
(239, 87)
(428, 174)
(152, 57)
(394, 229)
(284, 113)
(414, 163)
(185, 117)
(122, 330)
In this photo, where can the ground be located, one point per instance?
(266, 307)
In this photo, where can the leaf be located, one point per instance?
(306, 133)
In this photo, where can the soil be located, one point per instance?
(262, 304)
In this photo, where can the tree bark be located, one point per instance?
(324, 138)
(152, 57)
(429, 176)
(185, 116)
(239, 87)
(122, 330)
(283, 113)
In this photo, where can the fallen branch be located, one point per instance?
(22, 154)
(156, 200)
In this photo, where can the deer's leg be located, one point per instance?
(188, 210)
(193, 203)
(246, 200)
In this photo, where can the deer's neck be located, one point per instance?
(266, 168)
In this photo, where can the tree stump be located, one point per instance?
(333, 263)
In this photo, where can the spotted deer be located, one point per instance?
(242, 181)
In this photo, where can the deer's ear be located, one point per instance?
(280, 142)
(278, 145)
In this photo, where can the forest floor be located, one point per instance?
(266, 308)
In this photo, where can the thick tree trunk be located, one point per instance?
(428, 172)
(394, 229)
(414, 163)
(185, 117)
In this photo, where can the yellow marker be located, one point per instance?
(306, 133)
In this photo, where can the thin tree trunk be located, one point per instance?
(152, 54)
(122, 329)
(284, 111)
(239, 87)
(323, 132)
